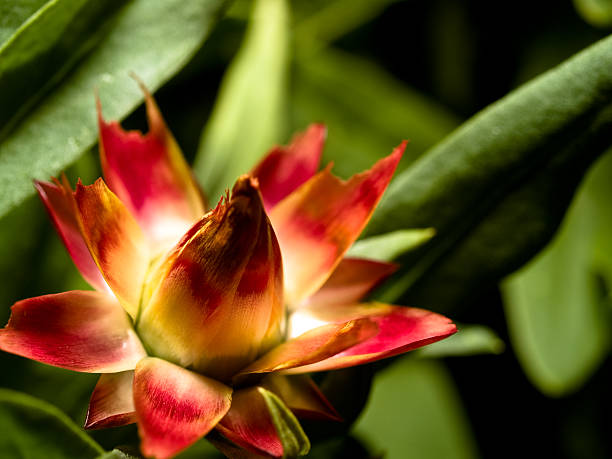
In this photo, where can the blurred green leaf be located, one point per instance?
(595, 12)
(557, 305)
(14, 13)
(496, 189)
(469, 340)
(32, 428)
(414, 411)
(152, 39)
(115, 454)
(247, 119)
(367, 111)
(389, 246)
(294, 440)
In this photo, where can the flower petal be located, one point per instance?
(319, 221)
(112, 402)
(284, 169)
(248, 423)
(175, 407)
(301, 394)
(58, 199)
(220, 301)
(78, 330)
(150, 175)
(313, 346)
(115, 242)
(352, 279)
(401, 329)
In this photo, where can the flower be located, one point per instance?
(209, 332)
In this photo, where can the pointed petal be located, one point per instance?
(301, 394)
(112, 402)
(175, 407)
(248, 423)
(59, 201)
(150, 175)
(352, 279)
(401, 329)
(220, 302)
(115, 242)
(78, 330)
(313, 346)
(284, 169)
(318, 222)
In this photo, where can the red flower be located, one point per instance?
(202, 334)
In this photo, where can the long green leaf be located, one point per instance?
(33, 428)
(496, 189)
(414, 411)
(248, 117)
(367, 111)
(13, 14)
(557, 307)
(152, 39)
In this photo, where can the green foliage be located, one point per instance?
(248, 115)
(596, 12)
(558, 305)
(413, 408)
(153, 40)
(469, 340)
(367, 111)
(294, 440)
(513, 166)
(32, 428)
(389, 246)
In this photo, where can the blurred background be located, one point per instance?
(529, 373)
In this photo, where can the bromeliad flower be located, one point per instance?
(217, 330)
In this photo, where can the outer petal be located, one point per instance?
(352, 279)
(401, 329)
(248, 423)
(79, 330)
(150, 175)
(284, 169)
(313, 346)
(115, 242)
(220, 302)
(301, 394)
(112, 402)
(175, 407)
(58, 199)
(319, 221)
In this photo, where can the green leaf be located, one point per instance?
(294, 440)
(496, 189)
(414, 408)
(367, 111)
(388, 247)
(152, 39)
(33, 428)
(595, 12)
(247, 119)
(14, 13)
(469, 340)
(115, 454)
(557, 306)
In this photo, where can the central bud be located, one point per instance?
(216, 301)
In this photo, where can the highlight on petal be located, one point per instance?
(302, 395)
(248, 423)
(58, 199)
(401, 329)
(112, 402)
(352, 279)
(77, 330)
(115, 242)
(311, 347)
(284, 169)
(318, 222)
(220, 301)
(150, 175)
(175, 407)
